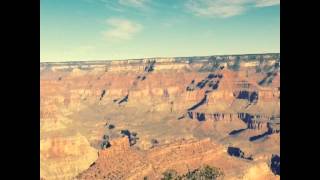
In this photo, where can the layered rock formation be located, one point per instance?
(233, 100)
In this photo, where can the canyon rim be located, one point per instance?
(138, 118)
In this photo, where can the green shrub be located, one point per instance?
(204, 173)
(208, 172)
(169, 175)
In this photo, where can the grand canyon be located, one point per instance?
(136, 119)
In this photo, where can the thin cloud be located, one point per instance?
(121, 29)
(133, 3)
(265, 3)
(225, 8)
(120, 5)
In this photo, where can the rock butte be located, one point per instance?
(167, 113)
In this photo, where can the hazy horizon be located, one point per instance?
(57, 61)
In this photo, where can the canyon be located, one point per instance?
(135, 119)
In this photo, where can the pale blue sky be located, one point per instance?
(73, 30)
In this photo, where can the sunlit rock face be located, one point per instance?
(232, 100)
(65, 157)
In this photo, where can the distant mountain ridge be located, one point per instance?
(244, 57)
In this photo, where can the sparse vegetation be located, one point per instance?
(105, 144)
(105, 137)
(133, 136)
(204, 173)
(125, 132)
(111, 126)
(170, 175)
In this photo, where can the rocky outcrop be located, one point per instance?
(65, 157)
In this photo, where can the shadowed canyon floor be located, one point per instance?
(135, 119)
